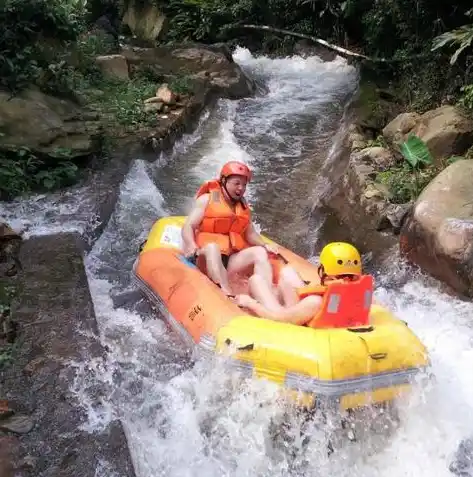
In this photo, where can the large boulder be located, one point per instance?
(113, 66)
(359, 209)
(445, 130)
(438, 235)
(146, 21)
(374, 108)
(213, 64)
(44, 124)
(54, 312)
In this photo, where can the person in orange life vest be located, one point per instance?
(220, 232)
(295, 302)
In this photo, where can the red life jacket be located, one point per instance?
(345, 303)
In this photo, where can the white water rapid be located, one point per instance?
(184, 419)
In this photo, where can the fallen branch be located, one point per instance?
(336, 48)
(343, 51)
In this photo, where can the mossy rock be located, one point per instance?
(375, 107)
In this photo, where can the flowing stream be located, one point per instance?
(194, 419)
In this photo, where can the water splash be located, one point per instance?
(183, 418)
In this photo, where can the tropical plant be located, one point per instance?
(417, 155)
(462, 36)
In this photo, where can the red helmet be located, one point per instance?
(235, 168)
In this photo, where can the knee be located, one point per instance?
(289, 276)
(253, 280)
(260, 255)
(285, 273)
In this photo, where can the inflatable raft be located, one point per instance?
(370, 360)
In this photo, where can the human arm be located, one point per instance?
(192, 222)
(298, 314)
(254, 238)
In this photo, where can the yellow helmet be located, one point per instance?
(340, 258)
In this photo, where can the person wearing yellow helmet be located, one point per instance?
(219, 232)
(294, 301)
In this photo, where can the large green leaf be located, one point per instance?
(461, 37)
(416, 152)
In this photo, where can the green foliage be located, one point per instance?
(26, 26)
(407, 181)
(397, 29)
(416, 152)
(403, 185)
(461, 37)
(75, 71)
(122, 102)
(181, 85)
(466, 99)
(22, 171)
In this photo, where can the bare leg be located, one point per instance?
(253, 256)
(265, 304)
(289, 280)
(215, 269)
(263, 293)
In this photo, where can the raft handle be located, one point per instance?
(248, 347)
(377, 356)
(361, 330)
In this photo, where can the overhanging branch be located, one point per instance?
(342, 51)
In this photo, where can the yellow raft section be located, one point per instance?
(351, 367)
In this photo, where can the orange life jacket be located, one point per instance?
(345, 303)
(221, 224)
(308, 290)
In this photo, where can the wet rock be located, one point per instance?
(356, 138)
(43, 124)
(56, 319)
(9, 451)
(438, 234)
(17, 424)
(445, 130)
(358, 203)
(209, 64)
(172, 126)
(374, 108)
(5, 410)
(48, 364)
(393, 217)
(378, 191)
(396, 131)
(113, 66)
(10, 244)
(462, 463)
(380, 157)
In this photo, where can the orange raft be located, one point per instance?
(372, 358)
